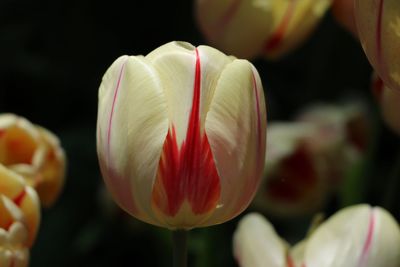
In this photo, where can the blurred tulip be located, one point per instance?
(349, 120)
(308, 159)
(256, 244)
(34, 153)
(389, 101)
(343, 11)
(249, 28)
(297, 175)
(355, 236)
(181, 135)
(19, 219)
(378, 23)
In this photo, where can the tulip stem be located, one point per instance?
(180, 238)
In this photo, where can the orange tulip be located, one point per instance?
(19, 219)
(34, 153)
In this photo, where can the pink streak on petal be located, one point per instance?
(276, 38)
(112, 110)
(258, 118)
(119, 187)
(368, 241)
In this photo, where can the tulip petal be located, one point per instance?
(230, 25)
(358, 236)
(132, 125)
(187, 170)
(256, 244)
(235, 126)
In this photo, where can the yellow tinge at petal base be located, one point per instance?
(34, 153)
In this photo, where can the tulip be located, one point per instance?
(378, 25)
(250, 28)
(355, 236)
(296, 178)
(308, 159)
(34, 153)
(19, 219)
(343, 12)
(181, 135)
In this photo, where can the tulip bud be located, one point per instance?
(19, 219)
(34, 153)
(378, 25)
(256, 244)
(353, 237)
(251, 28)
(181, 135)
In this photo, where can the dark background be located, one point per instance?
(52, 57)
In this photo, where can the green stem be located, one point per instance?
(180, 238)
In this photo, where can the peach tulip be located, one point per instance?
(249, 28)
(181, 135)
(19, 219)
(35, 153)
(378, 23)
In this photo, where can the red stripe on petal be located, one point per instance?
(110, 121)
(276, 39)
(289, 261)
(189, 172)
(20, 197)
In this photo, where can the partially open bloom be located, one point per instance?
(19, 219)
(181, 135)
(356, 236)
(249, 28)
(378, 23)
(308, 159)
(34, 153)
